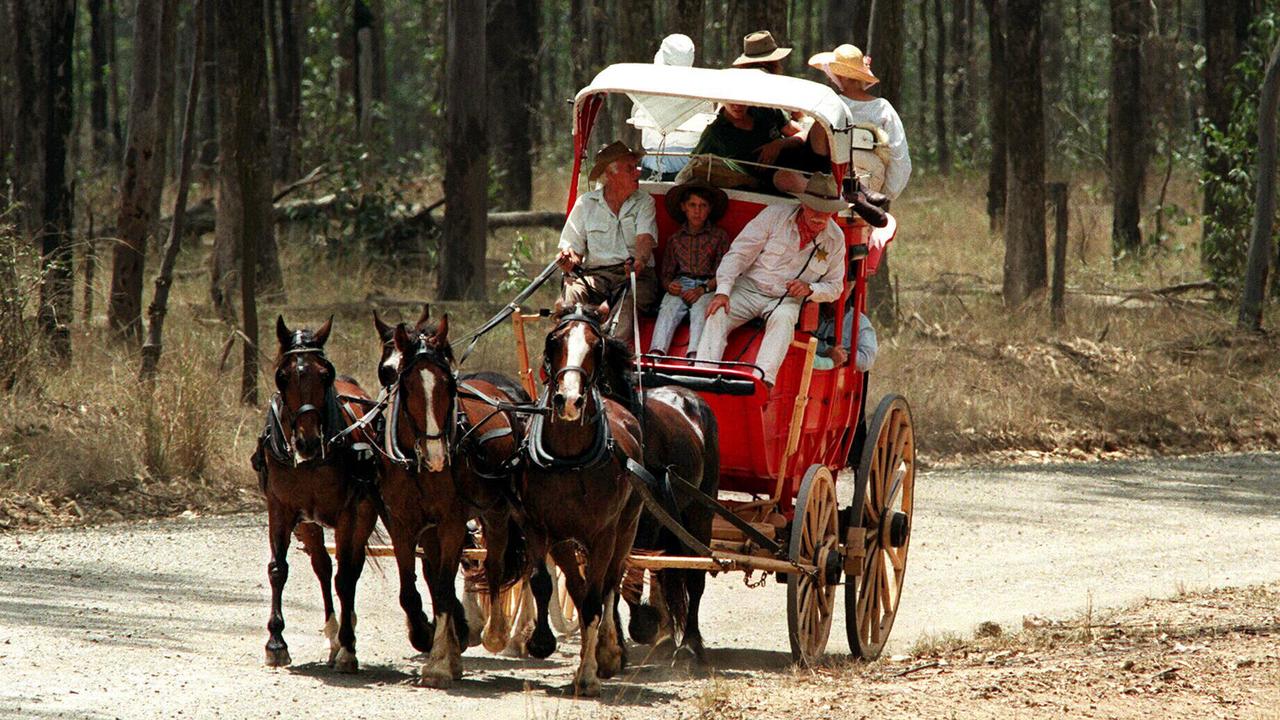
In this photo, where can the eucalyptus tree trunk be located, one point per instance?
(143, 174)
(99, 120)
(885, 42)
(1226, 32)
(244, 167)
(466, 181)
(43, 53)
(1025, 260)
(940, 90)
(1264, 214)
(690, 19)
(998, 110)
(1127, 127)
(164, 279)
(512, 59)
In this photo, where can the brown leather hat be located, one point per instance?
(677, 195)
(614, 151)
(760, 47)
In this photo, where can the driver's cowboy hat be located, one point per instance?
(760, 47)
(611, 153)
(676, 196)
(845, 61)
(822, 194)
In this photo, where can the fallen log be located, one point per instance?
(413, 220)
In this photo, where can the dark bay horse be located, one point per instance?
(681, 437)
(310, 482)
(449, 455)
(577, 494)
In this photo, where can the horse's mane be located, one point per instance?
(616, 373)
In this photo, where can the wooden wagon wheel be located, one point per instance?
(814, 541)
(884, 502)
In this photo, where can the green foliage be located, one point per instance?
(1226, 233)
(516, 278)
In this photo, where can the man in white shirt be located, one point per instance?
(787, 254)
(606, 228)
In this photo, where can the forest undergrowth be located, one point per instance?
(1132, 372)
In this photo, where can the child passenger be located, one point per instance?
(689, 262)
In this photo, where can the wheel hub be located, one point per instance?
(899, 528)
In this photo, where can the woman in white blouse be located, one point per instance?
(850, 71)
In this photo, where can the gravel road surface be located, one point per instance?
(167, 619)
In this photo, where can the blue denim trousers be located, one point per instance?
(672, 312)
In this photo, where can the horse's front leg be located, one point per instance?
(442, 553)
(543, 641)
(404, 542)
(312, 537)
(354, 527)
(280, 524)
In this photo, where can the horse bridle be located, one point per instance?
(553, 377)
(422, 353)
(298, 353)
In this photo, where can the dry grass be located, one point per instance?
(1123, 375)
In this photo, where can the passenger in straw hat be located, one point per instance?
(850, 71)
(606, 228)
(786, 255)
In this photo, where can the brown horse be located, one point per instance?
(311, 482)
(449, 456)
(681, 438)
(577, 493)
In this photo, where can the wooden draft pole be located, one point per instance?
(1255, 276)
(164, 278)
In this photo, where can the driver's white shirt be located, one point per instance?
(602, 238)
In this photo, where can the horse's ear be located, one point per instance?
(442, 329)
(384, 330)
(603, 310)
(425, 316)
(321, 336)
(282, 332)
(401, 337)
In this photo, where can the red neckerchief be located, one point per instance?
(806, 235)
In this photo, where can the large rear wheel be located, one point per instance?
(815, 542)
(882, 515)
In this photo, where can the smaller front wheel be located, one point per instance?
(814, 542)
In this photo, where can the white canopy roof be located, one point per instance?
(672, 96)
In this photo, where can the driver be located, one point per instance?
(606, 228)
(787, 254)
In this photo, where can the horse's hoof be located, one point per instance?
(345, 661)
(422, 635)
(608, 662)
(434, 678)
(643, 625)
(495, 642)
(278, 657)
(542, 643)
(665, 647)
(588, 688)
(687, 658)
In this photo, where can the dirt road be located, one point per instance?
(166, 619)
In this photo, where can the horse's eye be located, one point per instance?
(282, 379)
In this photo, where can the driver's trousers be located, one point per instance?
(600, 284)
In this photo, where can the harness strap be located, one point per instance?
(643, 482)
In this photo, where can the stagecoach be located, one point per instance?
(786, 448)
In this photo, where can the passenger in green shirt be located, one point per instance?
(755, 134)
